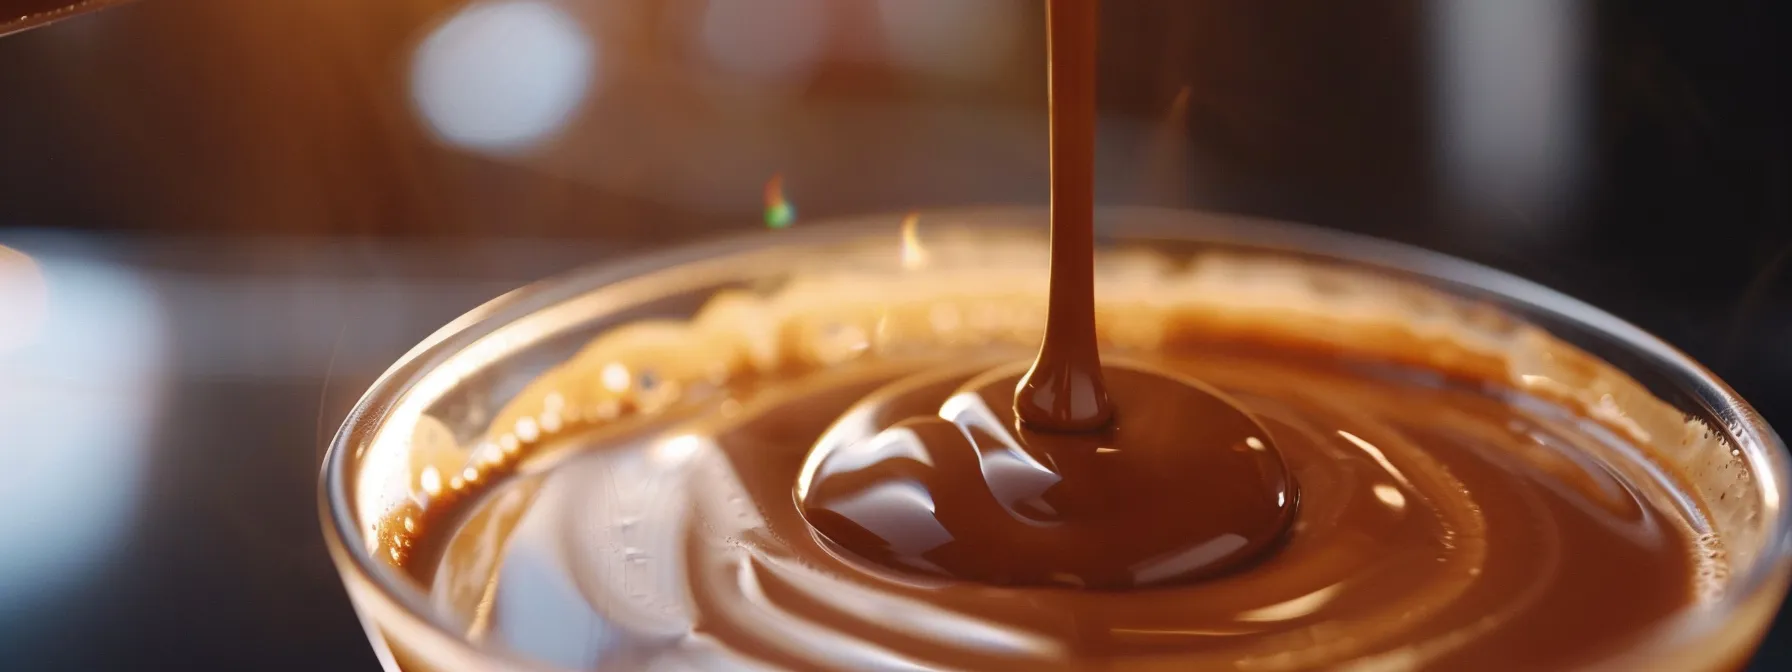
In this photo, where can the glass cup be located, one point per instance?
(462, 375)
(18, 15)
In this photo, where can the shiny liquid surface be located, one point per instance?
(1036, 478)
(1446, 523)
(957, 511)
(1064, 391)
(1179, 485)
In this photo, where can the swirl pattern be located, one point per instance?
(1443, 523)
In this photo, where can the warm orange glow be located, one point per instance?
(913, 254)
(24, 299)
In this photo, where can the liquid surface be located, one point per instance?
(957, 511)
(1031, 479)
(1179, 485)
(1447, 524)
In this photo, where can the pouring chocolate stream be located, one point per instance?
(1076, 473)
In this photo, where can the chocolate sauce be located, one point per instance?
(1180, 485)
(1444, 525)
(1064, 391)
(955, 509)
(1074, 474)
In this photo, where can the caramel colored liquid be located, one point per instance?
(1454, 514)
(1446, 524)
(954, 509)
(1179, 485)
(1073, 474)
(1065, 391)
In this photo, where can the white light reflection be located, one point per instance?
(1377, 455)
(900, 512)
(908, 616)
(970, 412)
(679, 449)
(844, 434)
(540, 609)
(1289, 610)
(616, 377)
(79, 389)
(775, 40)
(1014, 476)
(1155, 570)
(1512, 100)
(956, 38)
(1390, 496)
(890, 444)
(503, 75)
(754, 612)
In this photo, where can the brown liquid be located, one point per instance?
(1445, 524)
(1064, 391)
(1074, 474)
(1181, 485)
(954, 508)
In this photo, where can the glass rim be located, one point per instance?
(1763, 450)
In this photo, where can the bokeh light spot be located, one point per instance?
(779, 213)
(967, 39)
(765, 39)
(79, 396)
(503, 75)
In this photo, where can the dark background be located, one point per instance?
(245, 210)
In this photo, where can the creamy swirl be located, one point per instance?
(1450, 517)
(1438, 522)
(1180, 485)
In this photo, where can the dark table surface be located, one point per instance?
(244, 211)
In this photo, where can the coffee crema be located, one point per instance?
(1475, 494)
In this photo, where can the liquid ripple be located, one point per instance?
(1439, 522)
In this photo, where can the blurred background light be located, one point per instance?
(1511, 96)
(968, 39)
(504, 75)
(769, 40)
(22, 299)
(79, 394)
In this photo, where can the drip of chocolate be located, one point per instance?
(1075, 474)
(1064, 391)
(1443, 525)
(1180, 485)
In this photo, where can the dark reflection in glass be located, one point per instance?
(17, 15)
